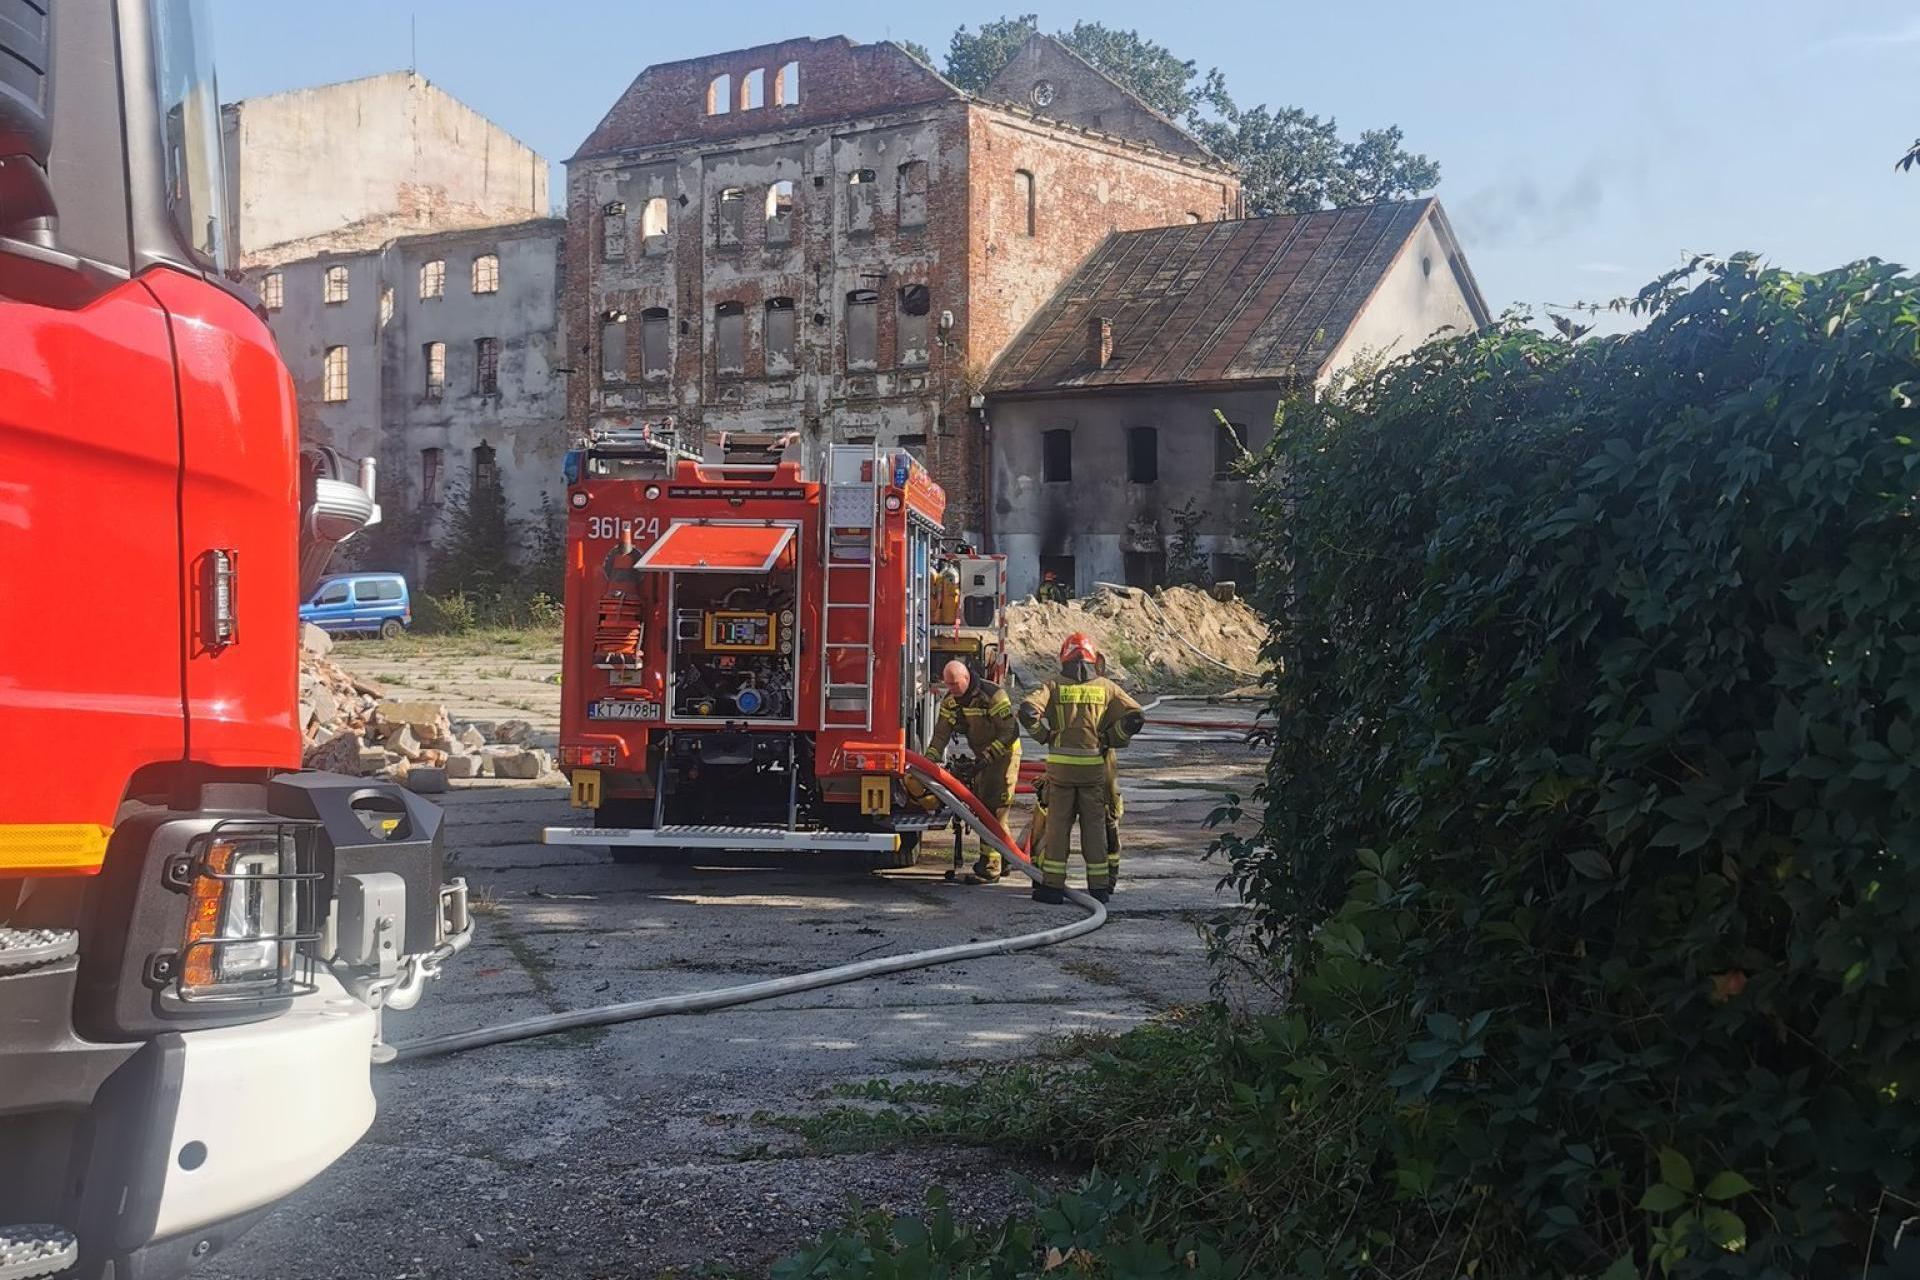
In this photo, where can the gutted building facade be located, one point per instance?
(1129, 396)
(439, 355)
(347, 167)
(830, 236)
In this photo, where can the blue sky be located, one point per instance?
(1584, 146)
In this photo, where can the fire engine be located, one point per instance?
(751, 649)
(196, 937)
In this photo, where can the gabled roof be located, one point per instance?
(1259, 299)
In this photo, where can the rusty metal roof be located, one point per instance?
(1259, 299)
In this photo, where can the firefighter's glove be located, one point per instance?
(1132, 723)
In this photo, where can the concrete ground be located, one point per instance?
(634, 1151)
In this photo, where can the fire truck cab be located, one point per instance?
(751, 649)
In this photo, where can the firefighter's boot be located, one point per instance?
(986, 868)
(1048, 894)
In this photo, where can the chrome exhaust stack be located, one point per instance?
(333, 507)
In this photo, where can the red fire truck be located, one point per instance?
(196, 938)
(751, 649)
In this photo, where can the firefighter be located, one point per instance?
(1081, 717)
(981, 711)
(1051, 589)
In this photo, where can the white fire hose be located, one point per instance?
(937, 780)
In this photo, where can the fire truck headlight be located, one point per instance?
(579, 499)
(243, 921)
(653, 491)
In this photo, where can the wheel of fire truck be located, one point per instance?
(633, 815)
(905, 856)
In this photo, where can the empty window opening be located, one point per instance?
(430, 477)
(613, 231)
(1143, 455)
(862, 329)
(720, 95)
(780, 335)
(733, 214)
(753, 90)
(655, 343)
(333, 376)
(1194, 217)
(485, 473)
(272, 291)
(653, 224)
(1145, 568)
(1025, 201)
(335, 288)
(860, 200)
(729, 337)
(911, 331)
(1229, 441)
(780, 212)
(1056, 455)
(434, 356)
(486, 366)
(433, 279)
(913, 193)
(786, 85)
(613, 346)
(1061, 567)
(486, 273)
(386, 305)
(1235, 569)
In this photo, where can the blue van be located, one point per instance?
(351, 602)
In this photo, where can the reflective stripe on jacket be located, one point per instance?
(983, 716)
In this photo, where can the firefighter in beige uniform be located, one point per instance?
(1080, 717)
(981, 711)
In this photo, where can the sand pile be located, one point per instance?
(1141, 635)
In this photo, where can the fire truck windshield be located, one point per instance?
(190, 110)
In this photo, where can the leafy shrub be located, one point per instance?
(448, 615)
(1593, 821)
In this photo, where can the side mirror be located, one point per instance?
(26, 133)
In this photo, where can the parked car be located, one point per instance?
(350, 602)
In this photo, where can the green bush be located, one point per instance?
(1593, 825)
(1590, 839)
(448, 615)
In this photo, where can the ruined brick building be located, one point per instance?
(402, 246)
(830, 235)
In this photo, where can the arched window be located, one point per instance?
(333, 375)
(486, 273)
(780, 212)
(1026, 201)
(653, 224)
(913, 193)
(720, 95)
(910, 326)
(779, 335)
(733, 215)
(786, 85)
(860, 200)
(753, 90)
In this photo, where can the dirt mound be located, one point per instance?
(1154, 643)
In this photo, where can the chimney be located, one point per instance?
(1099, 340)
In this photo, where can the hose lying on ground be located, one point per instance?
(951, 793)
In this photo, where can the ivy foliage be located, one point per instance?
(1592, 826)
(1590, 840)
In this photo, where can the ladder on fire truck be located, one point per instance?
(853, 483)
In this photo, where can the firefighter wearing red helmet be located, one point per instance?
(1080, 717)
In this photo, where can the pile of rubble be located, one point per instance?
(350, 726)
(1174, 640)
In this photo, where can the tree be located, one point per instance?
(919, 51)
(1290, 161)
(1910, 159)
(473, 555)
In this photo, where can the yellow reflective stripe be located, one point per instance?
(1002, 705)
(1057, 757)
(1084, 694)
(52, 848)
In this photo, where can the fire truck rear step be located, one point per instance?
(36, 1250)
(718, 837)
(31, 948)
